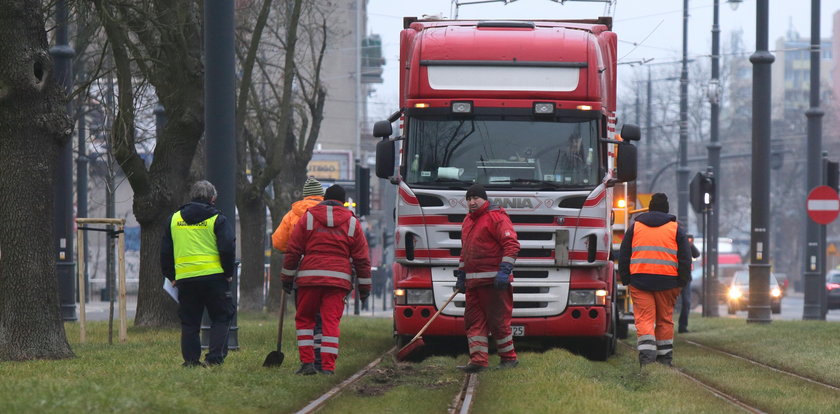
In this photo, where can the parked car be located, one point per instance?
(738, 294)
(832, 289)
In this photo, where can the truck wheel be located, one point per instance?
(601, 348)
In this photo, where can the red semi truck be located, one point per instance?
(526, 108)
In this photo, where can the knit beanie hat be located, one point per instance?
(335, 192)
(312, 187)
(476, 190)
(659, 202)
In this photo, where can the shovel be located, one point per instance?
(417, 342)
(275, 358)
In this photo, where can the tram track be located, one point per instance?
(711, 388)
(461, 403)
(763, 365)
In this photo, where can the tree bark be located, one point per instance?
(252, 224)
(161, 39)
(33, 126)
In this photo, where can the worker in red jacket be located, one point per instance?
(327, 244)
(655, 260)
(488, 250)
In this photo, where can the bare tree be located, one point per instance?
(33, 126)
(279, 117)
(158, 41)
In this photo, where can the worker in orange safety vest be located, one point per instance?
(655, 261)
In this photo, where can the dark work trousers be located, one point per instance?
(318, 335)
(214, 294)
(685, 303)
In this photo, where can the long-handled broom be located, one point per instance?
(275, 358)
(417, 342)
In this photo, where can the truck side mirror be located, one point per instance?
(631, 132)
(626, 162)
(384, 156)
(382, 129)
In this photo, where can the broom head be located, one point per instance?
(412, 346)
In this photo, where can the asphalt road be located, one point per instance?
(792, 308)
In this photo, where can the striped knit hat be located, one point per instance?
(312, 187)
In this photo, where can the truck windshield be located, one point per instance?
(518, 153)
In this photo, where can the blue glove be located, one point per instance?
(288, 286)
(502, 280)
(461, 284)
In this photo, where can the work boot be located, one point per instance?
(647, 357)
(326, 371)
(471, 368)
(306, 369)
(192, 364)
(682, 330)
(213, 362)
(508, 363)
(665, 359)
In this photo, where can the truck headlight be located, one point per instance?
(587, 297)
(414, 297)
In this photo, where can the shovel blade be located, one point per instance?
(274, 359)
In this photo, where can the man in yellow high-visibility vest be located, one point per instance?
(197, 255)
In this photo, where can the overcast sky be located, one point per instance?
(646, 28)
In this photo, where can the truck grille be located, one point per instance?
(524, 235)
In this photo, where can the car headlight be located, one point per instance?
(587, 297)
(734, 293)
(775, 292)
(414, 297)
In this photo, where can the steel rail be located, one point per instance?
(319, 402)
(763, 365)
(712, 389)
(462, 404)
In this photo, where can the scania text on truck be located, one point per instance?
(526, 108)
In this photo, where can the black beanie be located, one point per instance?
(476, 190)
(335, 192)
(659, 202)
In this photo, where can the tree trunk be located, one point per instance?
(252, 225)
(33, 126)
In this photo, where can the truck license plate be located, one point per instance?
(518, 330)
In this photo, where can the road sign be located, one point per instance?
(823, 204)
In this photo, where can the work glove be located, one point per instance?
(502, 280)
(363, 295)
(288, 286)
(461, 284)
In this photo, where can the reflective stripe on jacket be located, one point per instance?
(195, 248)
(654, 249)
(325, 247)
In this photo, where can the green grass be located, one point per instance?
(144, 374)
(808, 348)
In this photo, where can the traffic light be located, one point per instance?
(362, 191)
(700, 190)
(832, 174)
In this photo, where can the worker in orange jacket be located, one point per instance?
(313, 194)
(655, 260)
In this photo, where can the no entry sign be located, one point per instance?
(823, 205)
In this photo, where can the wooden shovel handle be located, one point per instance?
(282, 314)
(423, 329)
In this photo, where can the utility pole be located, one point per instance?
(62, 54)
(814, 276)
(682, 170)
(759, 309)
(219, 114)
(82, 185)
(711, 238)
(649, 133)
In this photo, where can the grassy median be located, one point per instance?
(144, 375)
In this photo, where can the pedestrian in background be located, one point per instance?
(313, 194)
(655, 260)
(685, 294)
(489, 248)
(198, 256)
(326, 246)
